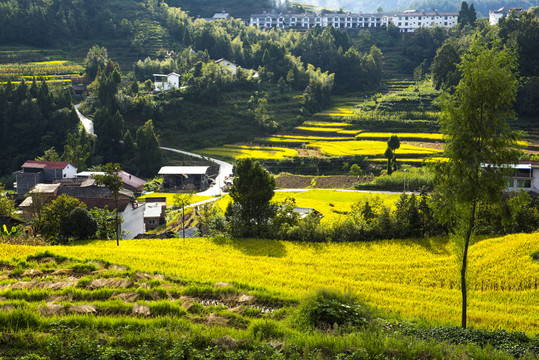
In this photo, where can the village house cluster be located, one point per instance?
(407, 21)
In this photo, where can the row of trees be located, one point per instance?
(33, 118)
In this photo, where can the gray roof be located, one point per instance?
(183, 170)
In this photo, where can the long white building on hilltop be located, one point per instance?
(406, 21)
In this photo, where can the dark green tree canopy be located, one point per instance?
(252, 189)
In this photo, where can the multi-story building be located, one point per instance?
(406, 21)
(410, 20)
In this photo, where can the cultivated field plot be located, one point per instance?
(245, 151)
(416, 278)
(50, 71)
(369, 148)
(330, 203)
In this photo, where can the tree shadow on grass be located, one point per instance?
(253, 247)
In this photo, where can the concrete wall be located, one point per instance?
(133, 221)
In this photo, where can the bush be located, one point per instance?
(266, 329)
(328, 308)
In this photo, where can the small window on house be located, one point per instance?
(524, 183)
(509, 183)
(65, 175)
(152, 222)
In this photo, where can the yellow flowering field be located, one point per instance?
(170, 197)
(402, 136)
(367, 147)
(39, 69)
(243, 151)
(326, 124)
(332, 203)
(299, 138)
(416, 278)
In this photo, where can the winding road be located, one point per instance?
(225, 169)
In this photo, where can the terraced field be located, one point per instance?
(358, 125)
(50, 71)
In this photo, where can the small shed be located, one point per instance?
(80, 91)
(185, 177)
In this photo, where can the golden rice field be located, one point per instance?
(332, 204)
(402, 136)
(170, 197)
(49, 70)
(326, 124)
(416, 278)
(367, 147)
(299, 138)
(243, 151)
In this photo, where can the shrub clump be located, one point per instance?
(326, 309)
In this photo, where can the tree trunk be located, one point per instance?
(464, 265)
(117, 221)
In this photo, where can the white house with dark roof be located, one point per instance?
(525, 177)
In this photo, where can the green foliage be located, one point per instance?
(479, 142)
(326, 309)
(148, 154)
(96, 58)
(54, 217)
(105, 220)
(32, 122)
(80, 224)
(7, 206)
(252, 190)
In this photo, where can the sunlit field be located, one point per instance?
(416, 278)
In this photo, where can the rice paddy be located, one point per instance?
(50, 71)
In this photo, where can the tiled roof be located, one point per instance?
(37, 164)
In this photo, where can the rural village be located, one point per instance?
(269, 179)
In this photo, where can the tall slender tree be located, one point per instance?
(479, 142)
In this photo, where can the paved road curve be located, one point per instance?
(88, 124)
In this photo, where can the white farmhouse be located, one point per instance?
(166, 82)
(227, 64)
(495, 15)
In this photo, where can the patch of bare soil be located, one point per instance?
(428, 145)
(309, 152)
(287, 181)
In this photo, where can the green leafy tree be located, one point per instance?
(479, 142)
(79, 224)
(394, 143)
(114, 183)
(148, 152)
(182, 201)
(96, 58)
(49, 155)
(54, 216)
(7, 206)
(252, 190)
(444, 70)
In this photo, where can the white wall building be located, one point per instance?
(495, 15)
(525, 177)
(406, 21)
(166, 82)
(132, 221)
